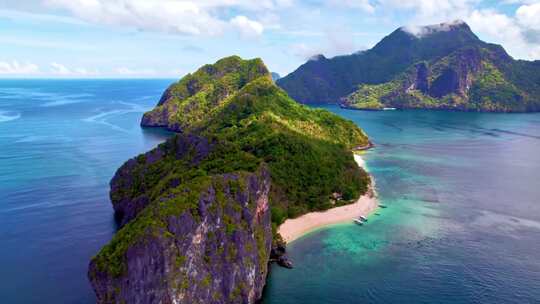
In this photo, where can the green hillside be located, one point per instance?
(442, 66)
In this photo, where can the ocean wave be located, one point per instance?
(103, 117)
(65, 99)
(135, 107)
(43, 138)
(9, 116)
(49, 99)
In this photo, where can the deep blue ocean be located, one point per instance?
(462, 190)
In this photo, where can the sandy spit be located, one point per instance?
(292, 229)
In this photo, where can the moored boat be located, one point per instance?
(358, 222)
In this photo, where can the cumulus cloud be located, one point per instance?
(125, 71)
(302, 50)
(429, 11)
(421, 31)
(16, 68)
(529, 16)
(363, 5)
(202, 17)
(506, 30)
(338, 42)
(168, 16)
(58, 69)
(247, 27)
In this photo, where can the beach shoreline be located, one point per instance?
(293, 229)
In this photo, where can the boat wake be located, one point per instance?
(104, 117)
(65, 99)
(6, 116)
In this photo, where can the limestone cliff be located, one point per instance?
(213, 251)
(198, 214)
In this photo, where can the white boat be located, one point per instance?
(363, 218)
(389, 109)
(358, 222)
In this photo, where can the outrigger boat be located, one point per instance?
(382, 206)
(360, 220)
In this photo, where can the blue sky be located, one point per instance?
(169, 38)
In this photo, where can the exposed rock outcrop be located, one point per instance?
(215, 252)
(130, 188)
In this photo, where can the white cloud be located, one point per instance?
(363, 5)
(16, 68)
(58, 69)
(338, 42)
(125, 71)
(38, 18)
(202, 17)
(421, 31)
(429, 11)
(529, 16)
(302, 51)
(505, 30)
(167, 16)
(247, 27)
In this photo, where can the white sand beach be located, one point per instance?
(292, 229)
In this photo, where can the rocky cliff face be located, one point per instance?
(213, 251)
(448, 78)
(131, 187)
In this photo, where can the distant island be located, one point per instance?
(443, 66)
(275, 76)
(200, 213)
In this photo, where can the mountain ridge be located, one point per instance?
(494, 82)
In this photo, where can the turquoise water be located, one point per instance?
(462, 223)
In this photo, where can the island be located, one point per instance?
(200, 214)
(441, 67)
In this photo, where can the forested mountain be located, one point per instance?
(443, 66)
